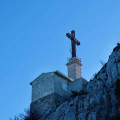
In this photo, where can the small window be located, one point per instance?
(65, 86)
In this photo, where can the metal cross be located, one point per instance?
(74, 41)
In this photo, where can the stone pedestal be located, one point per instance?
(74, 68)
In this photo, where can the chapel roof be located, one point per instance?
(58, 73)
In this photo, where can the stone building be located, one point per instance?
(54, 87)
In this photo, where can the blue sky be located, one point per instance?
(33, 40)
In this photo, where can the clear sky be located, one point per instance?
(33, 40)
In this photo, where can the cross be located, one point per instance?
(74, 41)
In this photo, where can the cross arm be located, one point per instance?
(77, 42)
(69, 36)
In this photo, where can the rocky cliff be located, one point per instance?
(99, 100)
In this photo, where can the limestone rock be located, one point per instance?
(101, 101)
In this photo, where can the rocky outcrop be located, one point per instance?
(100, 100)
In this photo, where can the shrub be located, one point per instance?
(15, 118)
(99, 79)
(117, 47)
(117, 88)
(83, 92)
(27, 115)
(116, 117)
(102, 62)
(80, 93)
(118, 104)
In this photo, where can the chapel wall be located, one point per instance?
(61, 86)
(77, 84)
(42, 86)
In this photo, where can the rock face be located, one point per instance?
(99, 100)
